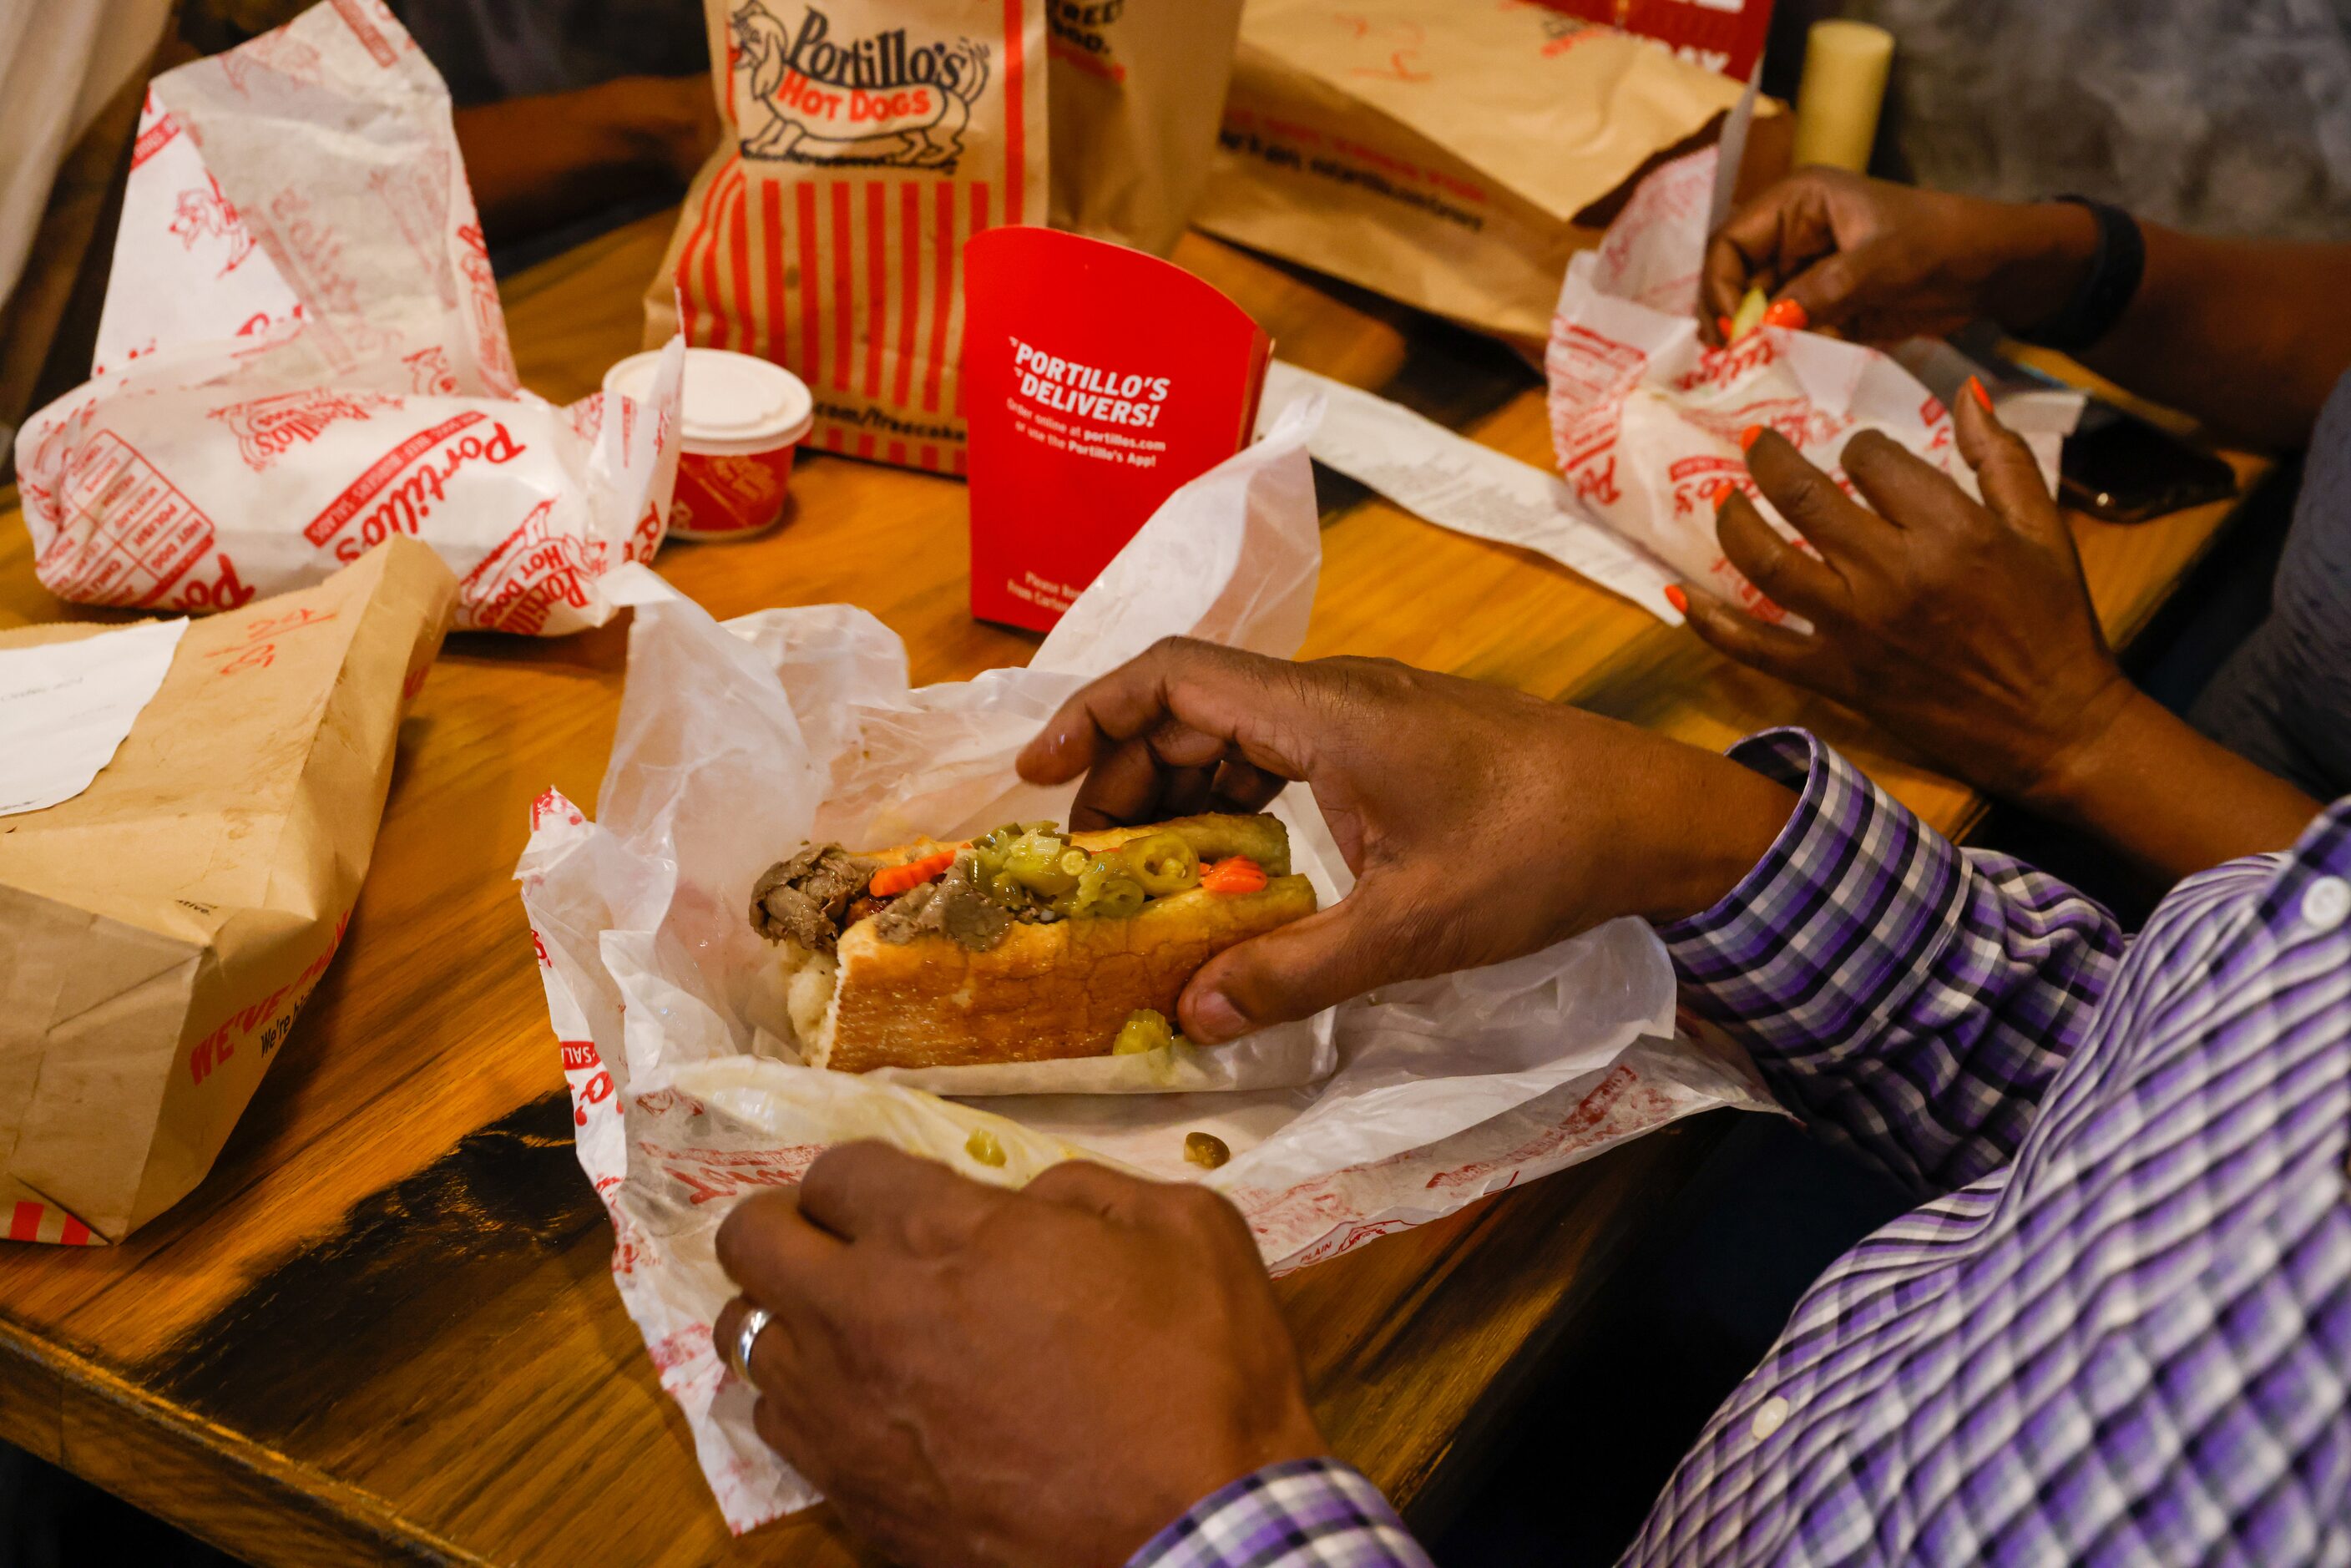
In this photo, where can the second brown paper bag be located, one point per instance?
(1138, 86)
(1450, 156)
(160, 931)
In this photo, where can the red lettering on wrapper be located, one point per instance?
(1720, 468)
(489, 315)
(309, 251)
(415, 192)
(222, 590)
(595, 1092)
(646, 539)
(152, 140)
(276, 53)
(1938, 421)
(1347, 1241)
(517, 585)
(1695, 480)
(371, 483)
(405, 506)
(266, 428)
(579, 1056)
(1722, 367)
(1589, 374)
(356, 17)
(712, 1174)
(1596, 483)
(1802, 422)
(588, 417)
(126, 534)
(1620, 1105)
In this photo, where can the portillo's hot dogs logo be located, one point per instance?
(811, 96)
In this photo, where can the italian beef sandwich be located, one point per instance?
(1025, 944)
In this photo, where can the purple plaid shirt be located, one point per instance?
(2121, 1334)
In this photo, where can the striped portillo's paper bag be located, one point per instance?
(866, 140)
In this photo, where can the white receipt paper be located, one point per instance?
(1440, 477)
(66, 707)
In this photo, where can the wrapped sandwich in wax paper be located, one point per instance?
(302, 355)
(1646, 418)
(743, 741)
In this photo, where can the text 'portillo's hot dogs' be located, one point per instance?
(1025, 944)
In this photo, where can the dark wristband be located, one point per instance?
(2116, 270)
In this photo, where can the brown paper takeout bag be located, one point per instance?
(160, 931)
(1138, 87)
(1449, 156)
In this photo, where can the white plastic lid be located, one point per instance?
(732, 403)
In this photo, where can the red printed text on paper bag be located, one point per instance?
(1724, 36)
(1098, 381)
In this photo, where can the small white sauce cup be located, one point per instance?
(742, 419)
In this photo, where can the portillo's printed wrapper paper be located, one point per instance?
(302, 355)
(866, 140)
(739, 742)
(1645, 418)
(163, 928)
(1451, 156)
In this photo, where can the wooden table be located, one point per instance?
(383, 1327)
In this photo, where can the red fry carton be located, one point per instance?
(1098, 380)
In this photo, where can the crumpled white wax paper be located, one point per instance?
(738, 742)
(1645, 418)
(302, 354)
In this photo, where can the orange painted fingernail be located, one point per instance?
(1976, 391)
(1722, 493)
(1785, 313)
(1749, 436)
(1678, 599)
(1722, 324)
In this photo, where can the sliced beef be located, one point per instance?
(953, 906)
(807, 897)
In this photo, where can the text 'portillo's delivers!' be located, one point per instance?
(1098, 380)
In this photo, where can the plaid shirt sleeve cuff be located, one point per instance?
(1894, 991)
(1838, 908)
(1305, 1513)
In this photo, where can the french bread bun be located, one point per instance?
(1045, 991)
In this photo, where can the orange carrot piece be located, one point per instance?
(1237, 875)
(892, 880)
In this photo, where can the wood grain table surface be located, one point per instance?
(383, 1328)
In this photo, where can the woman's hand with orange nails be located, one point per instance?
(1963, 628)
(1881, 261)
